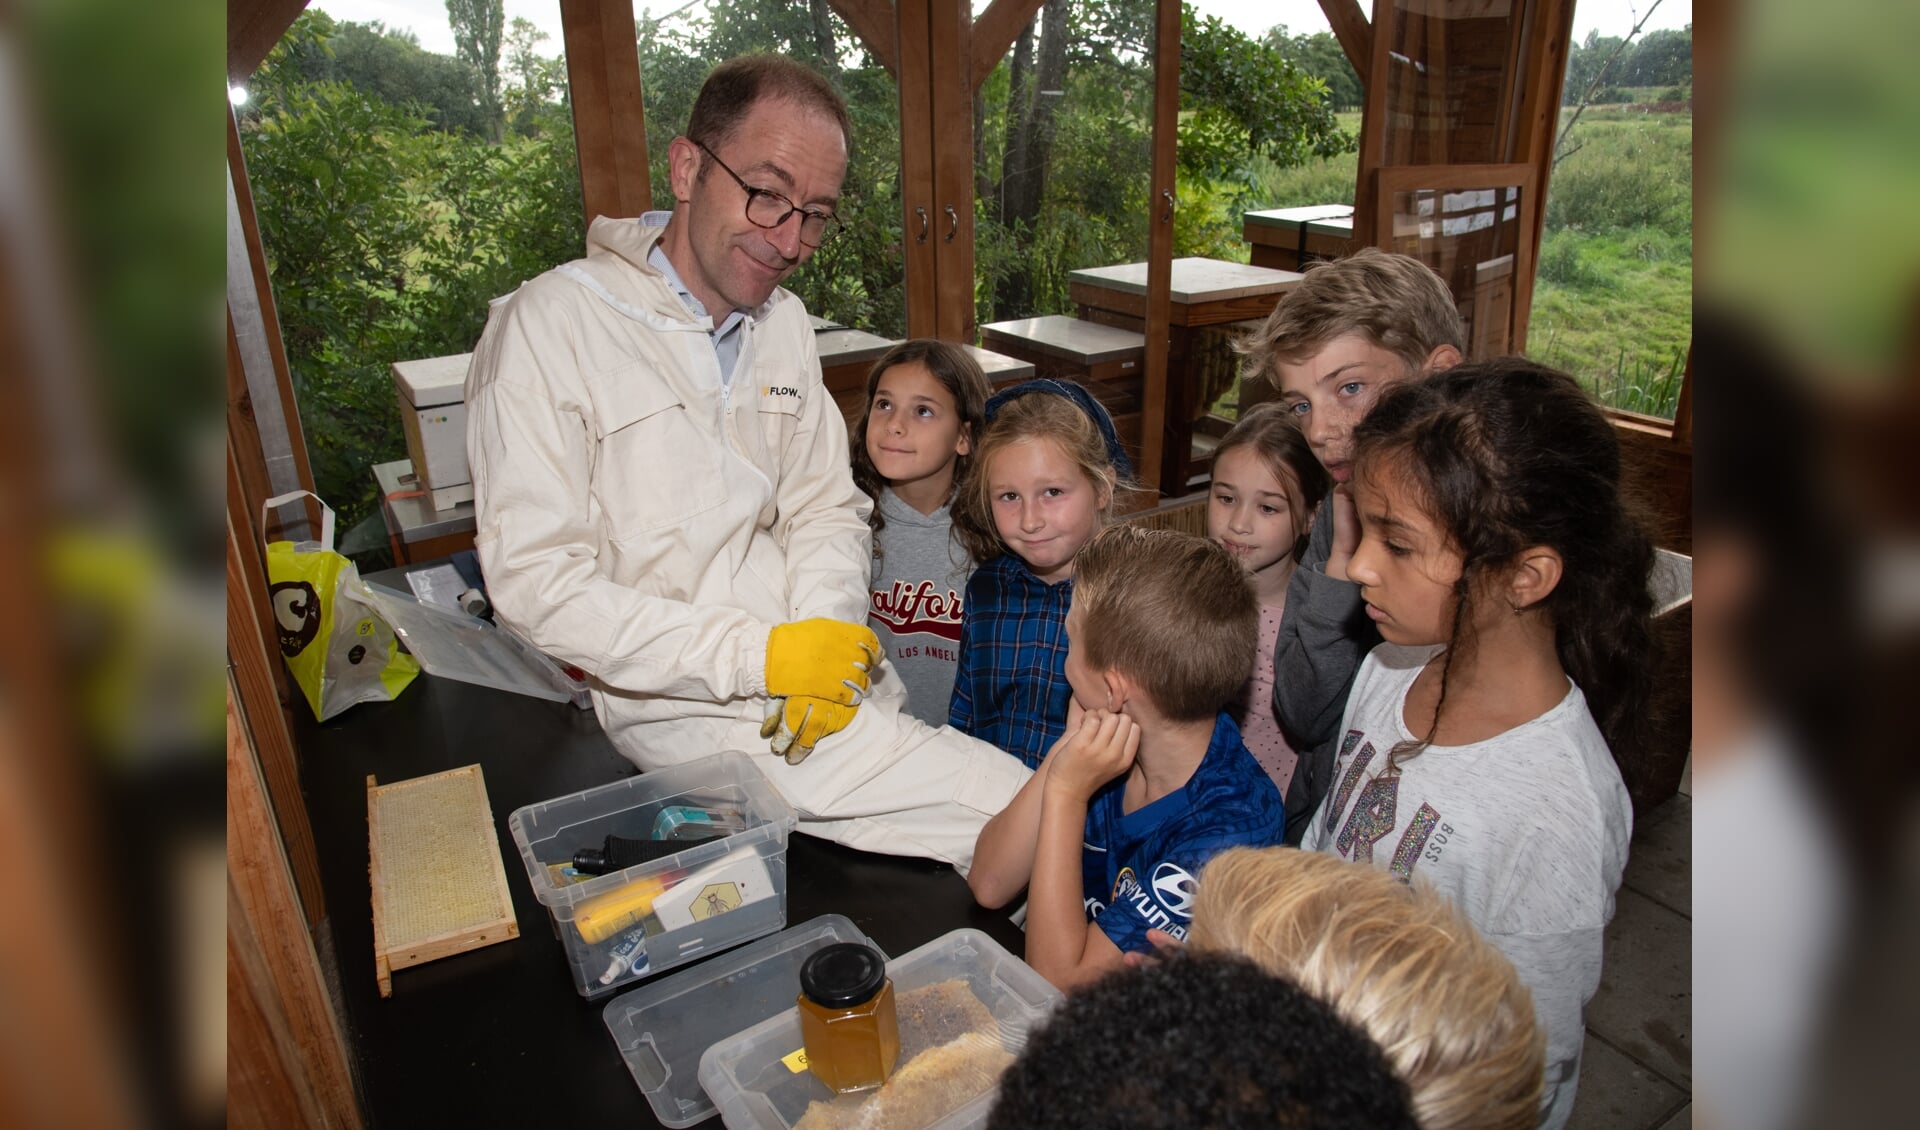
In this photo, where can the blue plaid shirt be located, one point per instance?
(1011, 684)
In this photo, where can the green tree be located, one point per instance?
(1321, 56)
(477, 27)
(390, 65)
(1663, 58)
(539, 83)
(385, 238)
(1585, 64)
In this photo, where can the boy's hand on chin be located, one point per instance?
(1346, 531)
(1096, 751)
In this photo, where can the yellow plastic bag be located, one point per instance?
(339, 649)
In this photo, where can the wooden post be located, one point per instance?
(609, 120)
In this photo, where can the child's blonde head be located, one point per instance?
(1392, 300)
(1171, 611)
(1036, 417)
(1398, 961)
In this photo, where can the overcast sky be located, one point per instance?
(428, 18)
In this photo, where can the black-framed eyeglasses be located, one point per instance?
(768, 209)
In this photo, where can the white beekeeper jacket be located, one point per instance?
(649, 523)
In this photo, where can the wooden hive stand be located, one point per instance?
(1107, 360)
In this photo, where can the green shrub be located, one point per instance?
(1619, 174)
(1561, 263)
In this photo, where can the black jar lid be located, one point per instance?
(843, 975)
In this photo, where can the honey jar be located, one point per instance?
(847, 1020)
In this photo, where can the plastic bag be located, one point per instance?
(338, 647)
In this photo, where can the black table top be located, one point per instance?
(499, 1036)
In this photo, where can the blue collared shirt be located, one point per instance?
(1010, 687)
(726, 336)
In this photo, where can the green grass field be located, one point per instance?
(1613, 297)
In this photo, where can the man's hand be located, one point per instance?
(1346, 531)
(795, 725)
(821, 659)
(1100, 749)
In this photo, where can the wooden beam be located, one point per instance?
(1156, 398)
(1547, 46)
(872, 22)
(1355, 34)
(1373, 131)
(261, 405)
(253, 649)
(995, 31)
(1683, 411)
(950, 35)
(919, 235)
(253, 27)
(285, 1037)
(609, 120)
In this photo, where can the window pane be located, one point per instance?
(1613, 298)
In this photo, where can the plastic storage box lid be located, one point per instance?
(662, 1029)
(758, 1083)
(452, 644)
(729, 773)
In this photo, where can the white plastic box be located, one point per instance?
(433, 412)
(706, 897)
(753, 1077)
(664, 1026)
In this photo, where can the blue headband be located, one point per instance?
(1095, 411)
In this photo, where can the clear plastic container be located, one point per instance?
(663, 1027)
(759, 1081)
(706, 896)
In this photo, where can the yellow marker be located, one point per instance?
(603, 916)
(796, 1062)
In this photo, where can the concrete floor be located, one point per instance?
(1637, 1069)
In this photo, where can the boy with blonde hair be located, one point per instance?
(1398, 961)
(1151, 778)
(1351, 328)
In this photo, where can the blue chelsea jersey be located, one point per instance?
(1139, 869)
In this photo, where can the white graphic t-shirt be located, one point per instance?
(1525, 832)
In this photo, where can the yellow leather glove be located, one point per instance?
(797, 724)
(821, 659)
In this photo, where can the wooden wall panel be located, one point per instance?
(290, 1054)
